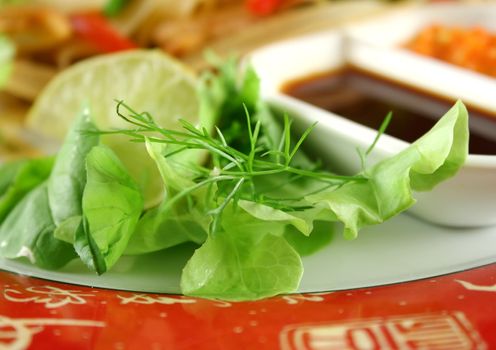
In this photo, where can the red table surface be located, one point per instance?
(456, 311)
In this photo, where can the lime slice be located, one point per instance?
(146, 80)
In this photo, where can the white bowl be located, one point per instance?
(377, 47)
(468, 199)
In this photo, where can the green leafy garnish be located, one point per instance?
(112, 205)
(244, 260)
(28, 232)
(68, 177)
(18, 178)
(243, 191)
(176, 220)
(263, 192)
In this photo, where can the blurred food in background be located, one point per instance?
(39, 38)
(471, 48)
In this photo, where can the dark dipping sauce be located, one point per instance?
(367, 98)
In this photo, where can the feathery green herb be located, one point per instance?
(236, 174)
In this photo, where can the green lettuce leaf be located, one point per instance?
(433, 158)
(157, 230)
(18, 178)
(226, 99)
(28, 232)
(321, 236)
(278, 218)
(112, 204)
(168, 225)
(247, 259)
(66, 230)
(68, 177)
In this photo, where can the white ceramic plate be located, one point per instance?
(402, 249)
(399, 250)
(467, 200)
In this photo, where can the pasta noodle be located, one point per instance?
(28, 78)
(34, 29)
(12, 136)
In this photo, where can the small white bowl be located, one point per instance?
(468, 199)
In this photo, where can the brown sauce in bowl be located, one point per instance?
(367, 98)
